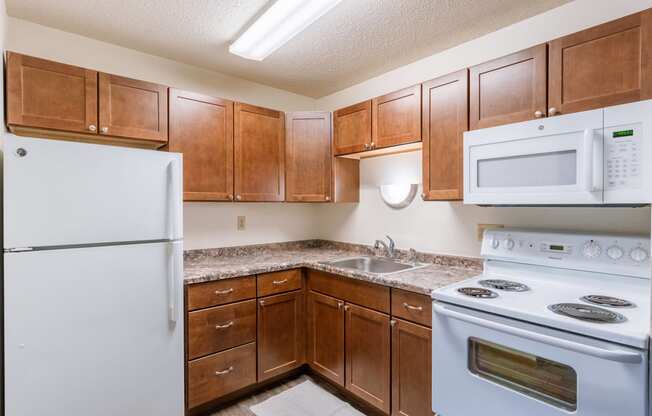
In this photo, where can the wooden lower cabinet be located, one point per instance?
(411, 369)
(326, 336)
(281, 334)
(368, 356)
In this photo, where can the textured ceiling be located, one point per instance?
(356, 40)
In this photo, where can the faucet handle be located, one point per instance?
(391, 242)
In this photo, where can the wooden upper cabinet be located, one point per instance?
(50, 95)
(509, 89)
(325, 352)
(396, 118)
(605, 65)
(308, 159)
(368, 356)
(133, 109)
(445, 119)
(352, 128)
(259, 155)
(201, 128)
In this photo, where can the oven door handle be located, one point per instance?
(611, 355)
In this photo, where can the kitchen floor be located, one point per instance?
(241, 408)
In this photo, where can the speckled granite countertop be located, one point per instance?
(224, 263)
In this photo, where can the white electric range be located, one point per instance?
(557, 323)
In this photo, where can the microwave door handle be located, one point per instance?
(592, 179)
(611, 355)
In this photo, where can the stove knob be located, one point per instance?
(591, 249)
(508, 243)
(638, 254)
(495, 243)
(615, 252)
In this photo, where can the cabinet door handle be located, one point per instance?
(262, 303)
(414, 308)
(225, 371)
(226, 325)
(339, 305)
(346, 307)
(279, 282)
(392, 322)
(327, 198)
(224, 292)
(553, 111)
(104, 130)
(92, 127)
(238, 197)
(538, 114)
(366, 146)
(372, 145)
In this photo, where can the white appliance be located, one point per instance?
(92, 280)
(557, 324)
(597, 157)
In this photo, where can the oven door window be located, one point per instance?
(551, 382)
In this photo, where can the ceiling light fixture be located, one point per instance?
(280, 23)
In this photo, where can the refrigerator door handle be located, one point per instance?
(173, 200)
(174, 277)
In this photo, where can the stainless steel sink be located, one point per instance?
(374, 265)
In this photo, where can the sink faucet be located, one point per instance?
(389, 248)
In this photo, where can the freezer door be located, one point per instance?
(94, 331)
(65, 193)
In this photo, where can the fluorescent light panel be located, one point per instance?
(280, 23)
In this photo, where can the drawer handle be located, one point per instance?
(280, 282)
(226, 325)
(414, 308)
(224, 292)
(223, 372)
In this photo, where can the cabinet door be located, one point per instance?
(259, 154)
(352, 128)
(133, 109)
(308, 157)
(281, 335)
(509, 89)
(50, 95)
(201, 128)
(445, 119)
(411, 369)
(396, 118)
(326, 336)
(368, 355)
(605, 65)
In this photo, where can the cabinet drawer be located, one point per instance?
(205, 295)
(412, 306)
(222, 327)
(355, 291)
(279, 282)
(216, 375)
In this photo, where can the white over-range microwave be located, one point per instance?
(597, 157)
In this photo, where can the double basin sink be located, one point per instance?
(374, 265)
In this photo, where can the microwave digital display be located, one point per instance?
(556, 247)
(623, 133)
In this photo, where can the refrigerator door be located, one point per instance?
(94, 331)
(60, 193)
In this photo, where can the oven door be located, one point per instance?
(484, 364)
(554, 161)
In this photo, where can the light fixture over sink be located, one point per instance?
(277, 25)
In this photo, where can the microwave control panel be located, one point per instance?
(623, 151)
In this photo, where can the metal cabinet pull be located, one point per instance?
(104, 130)
(392, 322)
(414, 308)
(346, 307)
(226, 325)
(224, 292)
(553, 111)
(238, 197)
(262, 303)
(223, 372)
(92, 127)
(538, 114)
(280, 282)
(339, 305)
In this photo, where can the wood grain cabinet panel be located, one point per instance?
(361, 293)
(396, 118)
(326, 336)
(411, 369)
(368, 356)
(259, 142)
(279, 282)
(308, 156)
(509, 89)
(605, 65)
(352, 128)
(201, 128)
(281, 334)
(412, 306)
(132, 108)
(220, 292)
(445, 119)
(46, 94)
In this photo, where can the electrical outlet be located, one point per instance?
(242, 222)
(481, 227)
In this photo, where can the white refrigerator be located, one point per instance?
(93, 280)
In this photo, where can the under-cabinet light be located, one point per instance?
(277, 25)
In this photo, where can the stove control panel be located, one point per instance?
(604, 253)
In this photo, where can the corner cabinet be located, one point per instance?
(352, 128)
(259, 154)
(201, 128)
